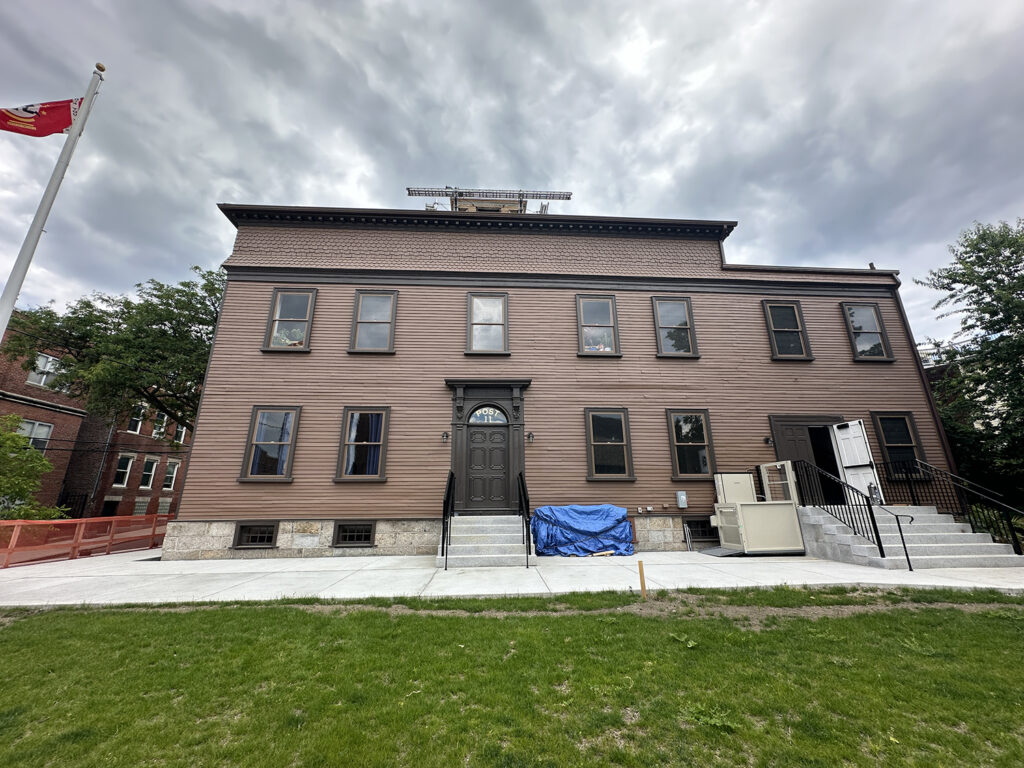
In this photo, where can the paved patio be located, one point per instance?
(139, 577)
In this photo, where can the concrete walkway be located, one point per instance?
(139, 577)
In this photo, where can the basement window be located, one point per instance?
(255, 535)
(701, 529)
(354, 534)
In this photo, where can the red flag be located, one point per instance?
(40, 119)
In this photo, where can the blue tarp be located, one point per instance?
(581, 530)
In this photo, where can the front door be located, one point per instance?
(487, 444)
(487, 480)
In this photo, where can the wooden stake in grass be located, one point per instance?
(643, 582)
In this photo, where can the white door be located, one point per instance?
(854, 456)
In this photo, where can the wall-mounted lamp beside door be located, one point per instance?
(444, 437)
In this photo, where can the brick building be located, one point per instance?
(134, 468)
(50, 418)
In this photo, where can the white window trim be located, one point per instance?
(128, 471)
(173, 475)
(181, 430)
(160, 425)
(31, 433)
(47, 369)
(142, 419)
(152, 477)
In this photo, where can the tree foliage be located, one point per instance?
(21, 470)
(981, 394)
(117, 351)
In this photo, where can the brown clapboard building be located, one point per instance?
(361, 355)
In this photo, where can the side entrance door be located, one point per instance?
(854, 453)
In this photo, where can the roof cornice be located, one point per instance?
(277, 215)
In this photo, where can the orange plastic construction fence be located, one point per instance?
(37, 541)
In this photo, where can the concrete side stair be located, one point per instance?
(934, 540)
(486, 540)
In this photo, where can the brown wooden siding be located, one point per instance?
(735, 379)
(306, 247)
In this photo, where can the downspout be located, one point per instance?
(103, 464)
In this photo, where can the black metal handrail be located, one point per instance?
(841, 500)
(524, 513)
(446, 517)
(921, 484)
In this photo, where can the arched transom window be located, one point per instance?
(488, 414)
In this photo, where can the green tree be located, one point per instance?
(21, 467)
(981, 394)
(117, 351)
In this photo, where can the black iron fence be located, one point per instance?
(920, 484)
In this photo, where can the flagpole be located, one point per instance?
(28, 248)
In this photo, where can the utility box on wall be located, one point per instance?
(681, 499)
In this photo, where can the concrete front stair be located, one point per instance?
(934, 540)
(486, 540)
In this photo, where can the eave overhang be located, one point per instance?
(274, 215)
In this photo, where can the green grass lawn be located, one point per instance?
(773, 678)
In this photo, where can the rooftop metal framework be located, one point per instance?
(454, 194)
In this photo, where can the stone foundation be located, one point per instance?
(187, 540)
(663, 533)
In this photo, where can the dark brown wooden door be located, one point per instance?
(793, 438)
(487, 476)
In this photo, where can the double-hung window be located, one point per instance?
(37, 432)
(271, 447)
(45, 370)
(597, 327)
(897, 435)
(609, 456)
(487, 323)
(179, 433)
(786, 330)
(124, 468)
(291, 315)
(867, 333)
(160, 425)
(138, 415)
(373, 322)
(148, 471)
(673, 323)
(690, 441)
(364, 441)
(170, 475)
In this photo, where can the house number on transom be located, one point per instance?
(487, 415)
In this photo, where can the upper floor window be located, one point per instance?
(363, 444)
(171, 474)
(373, 321)
(160, 425)
(148, 471)
(597, 327)
(867, 334)
(291, 315)
(124, 468)
(690, 437)
(487, 326)
(271, 443)
(786, 330)
(609, 456)
(137, 417)
(37, 432)
(45, 370)
(179, 433)
(673, 322)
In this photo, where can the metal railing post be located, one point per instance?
(76, 542)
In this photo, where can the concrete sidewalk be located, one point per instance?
(140, 577)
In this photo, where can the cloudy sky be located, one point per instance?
(836, 133)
